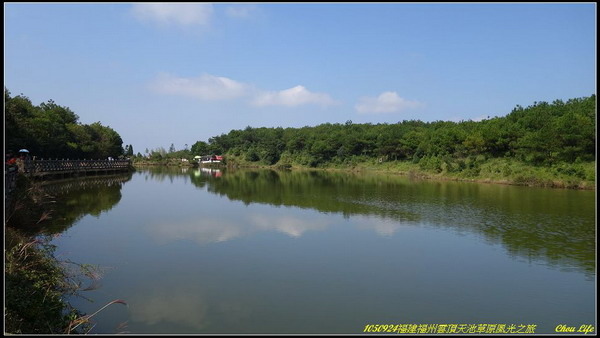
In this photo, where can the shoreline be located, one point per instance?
(428, 176)
(525, 175)
(527, 178)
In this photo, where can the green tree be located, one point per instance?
(199, 148)
(53, 131)
(543, 133)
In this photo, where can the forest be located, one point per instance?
(558, 138)
(53, 131)
(541, 134)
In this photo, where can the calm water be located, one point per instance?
(313, 252)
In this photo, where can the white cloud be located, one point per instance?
(387, 102)
(204, 87)
(240, 11)
(210, 88)
(293, 97)
(177, 14)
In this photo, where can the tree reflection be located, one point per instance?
(67, 201)
(554, 225)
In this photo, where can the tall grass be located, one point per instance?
(37, 284)
(576, 175)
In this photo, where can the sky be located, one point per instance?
(177, 73)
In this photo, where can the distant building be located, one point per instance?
(211, 159)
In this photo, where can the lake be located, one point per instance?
(259, 251)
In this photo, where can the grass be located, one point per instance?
(35, 286)
(36, 283)
(497, 170)
(578, 175)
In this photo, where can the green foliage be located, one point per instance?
(34, 289)
(37, 284)
(53, 131)
(160, 156)
(252, 155)
(128, 151)
(199, 148)
(542, 134)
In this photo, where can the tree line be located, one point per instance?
(53, 131)
(541, 134)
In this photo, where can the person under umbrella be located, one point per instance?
(23, 157)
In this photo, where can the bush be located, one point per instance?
(35, 286)
(252, 156)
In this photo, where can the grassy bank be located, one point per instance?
(502, 171)
(579, 175)
(37, 285)
(35, 282)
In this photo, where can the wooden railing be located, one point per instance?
(42, 167)
(52, 169)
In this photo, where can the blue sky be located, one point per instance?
(178, 73)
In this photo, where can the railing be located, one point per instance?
(50, 169)
(41, 167)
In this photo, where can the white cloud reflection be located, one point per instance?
(384, 227)
(188, 302)
(224, 228)
(202, 230)
(292, 226)
(213, 230)
(181, 304)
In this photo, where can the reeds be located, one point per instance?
(86, 319)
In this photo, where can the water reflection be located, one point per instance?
(170, 305)
(167, 301)
(212, 172)
(384, 227)
(73, 199)
(291, 226)
(201, 230)
(554, 225)
(261, 251)
(209, 229)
